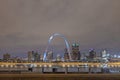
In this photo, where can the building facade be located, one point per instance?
(30, 56)
(6, 57)
(92, 54)
(66, 55)
(50, 56)
(75, 52)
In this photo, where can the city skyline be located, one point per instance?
(27, 25)
(61, 52)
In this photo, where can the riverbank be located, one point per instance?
(36, 76)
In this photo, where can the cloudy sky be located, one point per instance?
(27, 24)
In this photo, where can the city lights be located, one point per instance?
(72, 60)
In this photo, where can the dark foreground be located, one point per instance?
(59, 76)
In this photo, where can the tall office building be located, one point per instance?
(33, 56)
(50, 56)
(36, 56)
(41, 57)
(30, 56)
(66, 55)
(58, 57)
(92, 54)
(104, 54)
(6, 57)
(75, 52)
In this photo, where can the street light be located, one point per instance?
(73, 65)
(68, 65)
(50, 65)
(40, 65)
(63, 65)
(11, 66)
(2, 66)
(45, 65)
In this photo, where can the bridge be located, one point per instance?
(63, 66)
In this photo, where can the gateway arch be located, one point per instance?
(49, 41)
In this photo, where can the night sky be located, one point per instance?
(27, 24)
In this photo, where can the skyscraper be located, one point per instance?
(30, 56)
(6, 57)
(66, 55)
(75, 52)
(92, 54)
(50, 56)
(58, 57)
(41, 57)
(104, 54)
(36, 56)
